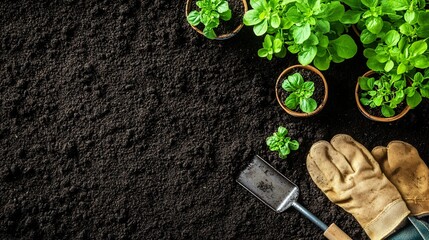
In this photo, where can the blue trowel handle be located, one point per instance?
(333, 232)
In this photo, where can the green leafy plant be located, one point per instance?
(418, 89)
(281, 143)
(308, 28)
(300, 93)
(211, 11)
(386, 92)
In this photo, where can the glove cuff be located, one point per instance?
(418, 207)
(388, 220)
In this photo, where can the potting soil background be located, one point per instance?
(119, 121)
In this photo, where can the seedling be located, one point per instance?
(386, 92)
(211, 11)
(300, 93)
(281, 143)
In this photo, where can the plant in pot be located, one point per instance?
(216, 16)
(396, 46)
(302, 91)
(281, 143)
(308, 28)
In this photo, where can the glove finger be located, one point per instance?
(380, 155)
(319, 165)
(356, 154)
(400, 152)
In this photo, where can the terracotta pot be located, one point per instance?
(222, 36)
(279, 83)
(371, 117)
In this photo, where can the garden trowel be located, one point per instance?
(278, 193)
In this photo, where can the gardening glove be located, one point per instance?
(350, 177)
(403, 166)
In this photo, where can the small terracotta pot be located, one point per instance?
(222, 36)
(371, 117)
(301, 114)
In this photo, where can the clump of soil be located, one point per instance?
(225, 27)
(319, 87)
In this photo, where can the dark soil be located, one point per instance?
(225, 27)
(319, 87)
(119, 121)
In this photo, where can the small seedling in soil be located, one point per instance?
(281, 143)
(210, 14)
(300, 93)
(386, 92)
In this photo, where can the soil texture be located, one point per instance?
(119, 121)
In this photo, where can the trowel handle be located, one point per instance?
(333, 232)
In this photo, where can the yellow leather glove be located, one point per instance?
(403, 166)
(350, 177)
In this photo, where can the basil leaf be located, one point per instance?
(322, 63)
(414, 100)
(194, 18)
(306, 56)
(209, 33)
(392, 38)
(351, 17)
(292, 101)
(294, 145)
(261, 28)
(374, 24)
(308, 105)
(251, 18)
(301, 33)
(344, 46)
(387, 111)
(275, 21)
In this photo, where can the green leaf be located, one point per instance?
(351, 17)
(387, 111)
(392, 38)
(322, 63)
(323, 26)
(302, 33)
(223, 7)
(292, 101)
(378, 100)
(423, 18)
(308, 85)
(418, 48)
(401, 69)
(374, 24)
(294, 145)
(370, 3)
(424, 92)
(375, 65)
(194, 18)
(226, 16)
(294, 15)
(323, 41)
(365, 101)
(414, 100)
(406, 29)
(284, 151)
(262, 52)
(209, 33)
(282, 131)
(334, 11)
(261, 28)
(268, 43)
(275, 21)
(258, 4)
(354, 4)
(366, 37)
(308, 105)
(410, 17)
(389, 65)
(293, 82)
(251, 18)
(420, 61)
(363, 84)
(277, 45)
(306, 56)
(369, 53)
(344, 46)
(423, 31)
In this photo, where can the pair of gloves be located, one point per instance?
(379, 188)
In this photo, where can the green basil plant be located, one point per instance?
(309, 28)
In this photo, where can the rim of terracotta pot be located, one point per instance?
(301, 114)
(372, 117)
(222, 36)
